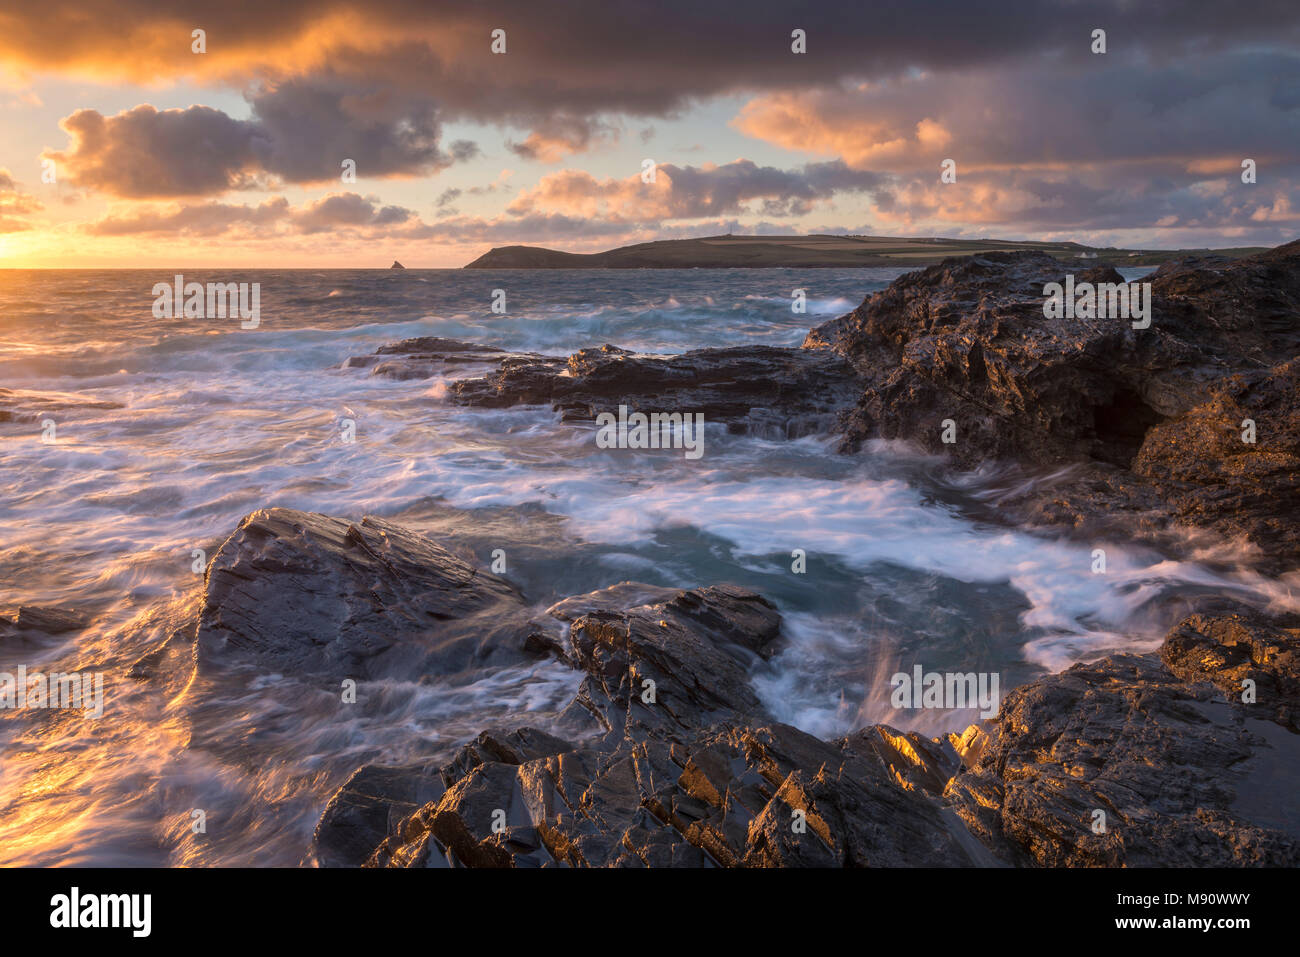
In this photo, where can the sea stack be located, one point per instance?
(396, 265)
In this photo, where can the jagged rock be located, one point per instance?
(760, 389)
(375, 800)
(367, 807)
(968, 341)
(423, 357)
(21, 405)
(303, 593)
(727, 797)
(677, 780)
(696, 647)
(1228, 650)
(1182, 777)
(1210, 476)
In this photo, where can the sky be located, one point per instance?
(128, 140)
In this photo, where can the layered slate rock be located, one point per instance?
(1121, 763)
(690, 651)
(732, 796)
(22, 405)
(760, 389)
(688, 770)
(1150, 419)
(302, 593)
(423, 357)
(1209, 476)
(1229, 650)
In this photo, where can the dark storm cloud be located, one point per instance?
(300, 132)
(606, 55)
(1185, 87)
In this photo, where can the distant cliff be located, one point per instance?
(715, 252)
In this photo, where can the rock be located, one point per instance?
(695, 776)
(396, 265)
(301, 593)
(422, 357)
(727, 797)
(1227, 650)
(375, 799)
(1209, 476)
(22, 405)
(695, 649)
(49, 621)
(1182, 777)
(968, 341)
(753, 389)
(369, 804)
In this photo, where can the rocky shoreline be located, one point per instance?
(666, 757)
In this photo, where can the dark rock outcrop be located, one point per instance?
(1153, 759)
(1153, 418)
(1179, 758)
(760, 389)
(1208, 476)
(303, 593)
(1121, 763)
(22, 405)
(32, 623)
(685, 769)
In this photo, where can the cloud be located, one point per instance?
(1046, 134)
(1041, 146)
(298, 133)
(334, 213)
(692, 192)
(201, 219)
(348, 210)
(556, 137)
(14, 203)
(608, 55)
(605, 58)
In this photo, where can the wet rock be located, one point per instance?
(757, 389)
(47, 621)
(302, 593)
(1229, 650)
(1122, 763)
(727, 797)
(1210, 476)
(695, 775)
(369, 804)
(1150, 419)
(683, 659)
(423, 357)
(22, 405)
(1182, 776)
